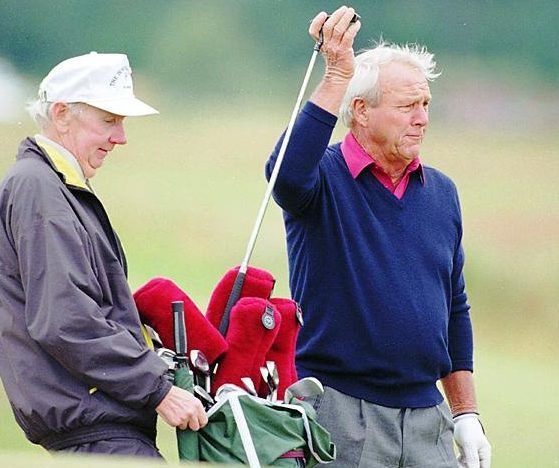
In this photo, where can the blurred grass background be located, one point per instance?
(184, 192)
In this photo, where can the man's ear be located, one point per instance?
(360, 112)
(60, 116)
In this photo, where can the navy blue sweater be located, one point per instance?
(379, 279)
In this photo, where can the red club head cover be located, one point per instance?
(154, 299)
(282, 351)
(257, 283)
(254, 325)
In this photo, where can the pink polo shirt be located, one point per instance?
(358, 159)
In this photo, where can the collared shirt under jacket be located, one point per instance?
(73, 360)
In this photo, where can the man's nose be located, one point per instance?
(421, 116)
(118, 136)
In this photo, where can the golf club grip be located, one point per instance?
(318, 44)
(233, 298)
(179, 327)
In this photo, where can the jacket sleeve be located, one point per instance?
(299, 176)
(66, 311)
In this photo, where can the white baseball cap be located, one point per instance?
(100, 80)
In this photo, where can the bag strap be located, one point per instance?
(242, 426)
(308, 432)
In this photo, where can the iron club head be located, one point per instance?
(249, 385)
(199, 361)
(203, 396)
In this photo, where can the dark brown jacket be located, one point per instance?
(73, 360)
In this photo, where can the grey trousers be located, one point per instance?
(372, 436)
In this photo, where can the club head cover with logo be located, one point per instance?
(254, 325)
(283, 348)
(153, 301)
(257, 283)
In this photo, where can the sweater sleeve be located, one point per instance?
(460, 335)
(298, 179)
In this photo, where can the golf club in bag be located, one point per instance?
(187, 441)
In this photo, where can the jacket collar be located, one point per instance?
(63, 162)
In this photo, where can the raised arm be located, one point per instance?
(338, 34)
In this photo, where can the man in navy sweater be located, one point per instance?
(376, 262)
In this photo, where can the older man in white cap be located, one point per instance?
(75, 363)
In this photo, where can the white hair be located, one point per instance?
(40, 111)
(365, 82)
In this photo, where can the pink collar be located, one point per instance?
(358, 159)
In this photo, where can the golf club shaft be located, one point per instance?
(279, 160)
(240, 278)
(281, 154)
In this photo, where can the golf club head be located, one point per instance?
(249, 385)
(264, 374)
(199, 361)
(272, 372)
(168, 357)
(225, 389)
(304, 388)
(268, 380)
(165, 353)
(203, 396)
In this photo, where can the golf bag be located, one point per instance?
(275, 428)
(253, 431)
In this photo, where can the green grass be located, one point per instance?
(517, 395)
(183, 195)
(26, 460)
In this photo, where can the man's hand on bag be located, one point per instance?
(181, 409)
(474, 448)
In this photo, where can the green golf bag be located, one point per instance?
(249, 430)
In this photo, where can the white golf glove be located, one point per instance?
(474, 448)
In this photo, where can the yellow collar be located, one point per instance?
(62, 160)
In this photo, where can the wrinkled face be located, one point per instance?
(395, 128)
(91, 134)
